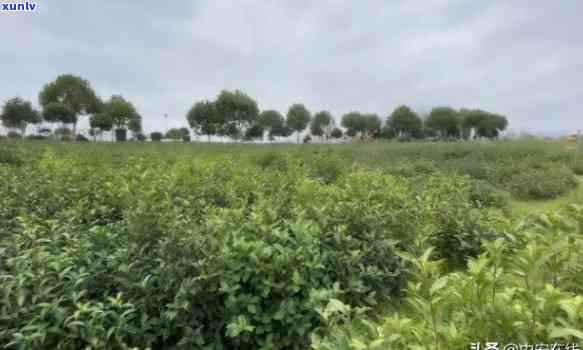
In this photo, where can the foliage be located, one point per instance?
(273, 122)
(521, 290)
(321, 124)
(336, 133)
(220, 246)
(156, 136)
(177, 133)
(542, 183)
(237, 111)
(204, 119)
(298, 118)
(59, 112)
(445, 121)
(101, 121)
(121, 112)
(482, 124)
(404, 122)
(254, 132)
(121, 135)
(73, 92)
(17, 113)
(151, 251)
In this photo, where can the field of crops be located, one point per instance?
(424, 245)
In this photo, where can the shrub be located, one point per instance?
(336, 133)
(10, 156)
(121, 135)
(326, 166)
(14, 135)
(520, 290)
(545, 183)
(272, 160)
(577, 168)
(483, 194)
(458, 228)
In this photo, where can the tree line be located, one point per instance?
(236, 115)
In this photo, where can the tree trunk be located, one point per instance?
(74, 131)
(298, 137)
(209, 137)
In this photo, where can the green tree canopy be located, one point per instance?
(135, 124)
(72, 91)
(254, 132)
(156, 136)
(372, 124)
(177, 133)
(59, 112)
(237, 112)
(445, 121)
(354, 122)
(322, 124)
(120, 111)
(204, 119)
(101, 121)
(298, 118)
(482, 123)
(273, 122)
(336, 133)
(403, 122)
(18, 113)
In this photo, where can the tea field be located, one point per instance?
(418, 245)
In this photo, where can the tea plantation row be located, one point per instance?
(218, 247)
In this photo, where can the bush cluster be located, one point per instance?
(524, 289)
(142, 252)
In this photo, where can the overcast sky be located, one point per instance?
(523, 59)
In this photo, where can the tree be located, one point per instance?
(372, 124)
(481, 123)
(274, 123)
(298, 118)
(204, 119)
(101, 121)
(404, 122)
(254, 132)
(236, 112)
(336, 133)
(73, 92)
(120, 111)
(445, 121)
(177, 134)
(355, 123)
(321, 124)
(135, 125)
(58, 112)
(156, 136)
(17, 114)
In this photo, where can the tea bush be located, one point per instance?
(483, 194)
(542, 183)
(148, 252)
(151, 246)
(524, 288)
(9, 156)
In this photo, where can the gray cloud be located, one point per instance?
(519, 58)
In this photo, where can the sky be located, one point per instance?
(522, 59)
